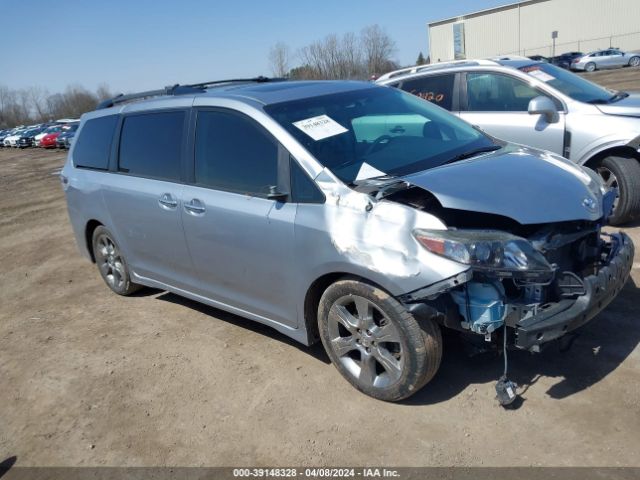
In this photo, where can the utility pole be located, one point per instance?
(554, 35)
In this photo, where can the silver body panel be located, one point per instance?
(258, 257)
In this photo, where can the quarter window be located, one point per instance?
(487, 92)
(437, 89)
(233, 153)
(150, 145)
(93, 146)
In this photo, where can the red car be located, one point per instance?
(49, 140)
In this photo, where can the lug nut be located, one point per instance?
(368, 332)
(368, 349)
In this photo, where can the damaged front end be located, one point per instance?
(541, 287)
(539, 280)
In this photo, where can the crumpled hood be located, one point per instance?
(629, 106)
(527, 185)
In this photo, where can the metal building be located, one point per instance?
(527, 28)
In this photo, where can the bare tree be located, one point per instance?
(333, 57)
(37, 97)
(378, 49)
(349, 56)
(103, 92)
(279, 58)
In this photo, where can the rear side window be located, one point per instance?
(437, 89)
(233, 153)
(93, 146)
(150, 145)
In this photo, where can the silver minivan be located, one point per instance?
(290, 204)
(543, 106)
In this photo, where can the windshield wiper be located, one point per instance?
(473, 153)
(603, 101)
(618, 96)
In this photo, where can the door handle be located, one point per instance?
(167, 201)
(195, 206)
(397, 129)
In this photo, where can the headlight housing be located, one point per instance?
(491, 252)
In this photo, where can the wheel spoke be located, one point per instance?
(104, 268)
(385, 333)
(391, 365)
(365, 311)
(119, 267)
(367, 369)
(343, 345)
(340, 314)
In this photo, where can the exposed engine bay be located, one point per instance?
(520, 275)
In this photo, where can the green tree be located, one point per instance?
(421, 60)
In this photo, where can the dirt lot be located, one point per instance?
(627, 79)
(90, 378)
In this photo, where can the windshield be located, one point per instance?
(377, 131)
(569, 83)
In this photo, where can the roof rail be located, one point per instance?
(178, 89)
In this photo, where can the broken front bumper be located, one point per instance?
(554, 320)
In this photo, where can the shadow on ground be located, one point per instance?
(595, 351)
(6, 465)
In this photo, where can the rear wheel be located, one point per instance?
(590, 67)
(634, 61)
(375, 343)
(111, 263)
(624, 174)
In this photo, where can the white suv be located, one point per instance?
(542, 106)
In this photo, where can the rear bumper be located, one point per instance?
(567, 315)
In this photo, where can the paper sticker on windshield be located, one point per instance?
(320, 127)
(367, 171)
(540, 75)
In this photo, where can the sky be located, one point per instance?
(133, 45)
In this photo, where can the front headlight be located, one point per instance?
(492, 252)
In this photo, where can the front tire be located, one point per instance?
(634, 61)
(375, 343)
(624, 174)
(111, 263)
(590, 67)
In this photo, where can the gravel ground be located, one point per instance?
(627, 79)
(90, 378)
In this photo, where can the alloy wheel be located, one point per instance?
(610, 181)
(365, 341)
(109, 260)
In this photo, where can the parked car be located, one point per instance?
(539, 58)
(546, 107)
(602, 59)
(26, 139)
(67, 130)
(4, 134)
(565, 60)
(49, 140)
(37, 140)
(68, 139)
(219, 194)
(12, 139)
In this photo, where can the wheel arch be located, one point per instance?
(617, 151)
(88, 236)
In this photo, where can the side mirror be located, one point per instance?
(542, 105)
